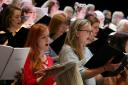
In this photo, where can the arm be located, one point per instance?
(107, 67)
(88, 73)
(68, 55)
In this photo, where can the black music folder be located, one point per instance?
(44, 20)
(57, 44)
(103, 56)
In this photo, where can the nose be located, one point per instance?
(19, 19)
(47, 39)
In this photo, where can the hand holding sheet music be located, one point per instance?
(55, 70)
(103, 56)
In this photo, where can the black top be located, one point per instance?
(57, 44)
(105, 53)
(15, 41)
(102, 36)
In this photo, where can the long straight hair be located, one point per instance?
(55, 22)
(72, 39)
(32, 42)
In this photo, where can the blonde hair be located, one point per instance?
(72, 39)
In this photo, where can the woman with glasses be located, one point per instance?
(74, 50)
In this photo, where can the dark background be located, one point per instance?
(119, 5)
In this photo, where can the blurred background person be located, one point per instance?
(122, 26)
(116, 17)
(108, 16)
(80, 11)
(28, 15)
(11, 32)
(90, 9)
(99, 14)
(68, 10)
(52, 5)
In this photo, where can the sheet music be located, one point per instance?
(14, 63)
(4, 55)
(40, 13)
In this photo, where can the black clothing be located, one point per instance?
(45, 20)
(57, 44)
(102, 39)
(15, 41)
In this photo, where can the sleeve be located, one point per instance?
(29, 78)
(67, 55)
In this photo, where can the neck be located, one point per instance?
(12, 29)
(42, 52)
(80, 46)
(43, 57)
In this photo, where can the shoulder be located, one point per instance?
(23, 29)
(67, 54)
(66, 49)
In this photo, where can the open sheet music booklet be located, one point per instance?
(11, 61)
(61, 68)
(41, 12)
(103, 56)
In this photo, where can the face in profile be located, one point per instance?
(29, 13)
(15, 19)
(95, 28)
(55, 7)
(61, 29)
(84, 33)
(43, 40)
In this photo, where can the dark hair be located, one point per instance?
(51, 4)
(5, 16)
(92, 19)
(118, 40)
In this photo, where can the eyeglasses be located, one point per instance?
(89, 31)
(31, 12)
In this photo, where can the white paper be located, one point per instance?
(40, 13)
(15, 62)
